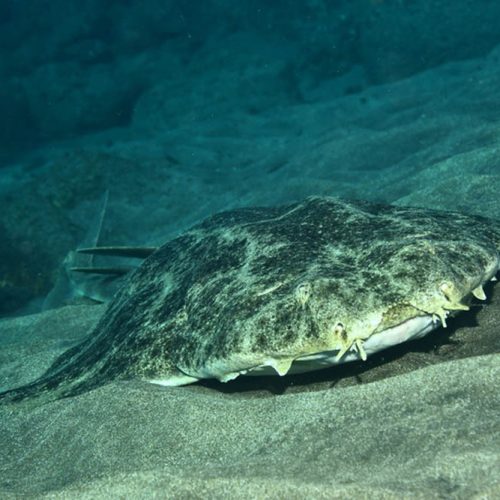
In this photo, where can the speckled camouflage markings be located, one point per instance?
(281, 290)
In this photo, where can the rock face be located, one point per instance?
(267, 288)
(73, 67)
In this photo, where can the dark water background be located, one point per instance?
(183, 108)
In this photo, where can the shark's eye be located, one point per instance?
(303, 293)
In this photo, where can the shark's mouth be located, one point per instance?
(354, 349)
(411, 329)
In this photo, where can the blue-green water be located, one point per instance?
(126, 122)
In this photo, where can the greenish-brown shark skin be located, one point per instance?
(279, 290)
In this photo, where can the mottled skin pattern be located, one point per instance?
(250, 285)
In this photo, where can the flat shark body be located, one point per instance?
(278, 290)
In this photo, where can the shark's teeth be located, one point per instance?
(479, 293)
(493, 278)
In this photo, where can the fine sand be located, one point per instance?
(420, 421)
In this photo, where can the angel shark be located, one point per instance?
(278, 290)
